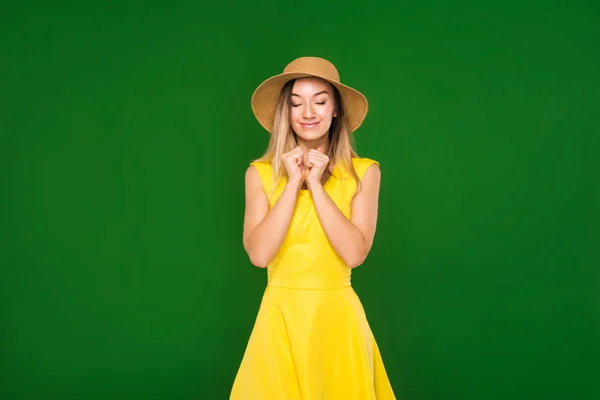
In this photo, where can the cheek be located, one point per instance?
(327, 114)
(294, 115)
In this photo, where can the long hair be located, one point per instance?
(283, 139)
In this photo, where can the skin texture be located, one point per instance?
(313, 107)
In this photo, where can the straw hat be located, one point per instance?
(265, 97)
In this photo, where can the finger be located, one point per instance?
(294, 151)
(317, 158)
(317, 153)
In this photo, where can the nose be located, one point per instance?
(308, 112)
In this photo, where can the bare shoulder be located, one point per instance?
(253, 182)
(369, 187)
(369, 173)
(372, 175)
(257, 204)
(252, 174)
(365, 203)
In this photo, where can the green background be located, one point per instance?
(125, 132)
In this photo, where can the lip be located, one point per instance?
(309, 125)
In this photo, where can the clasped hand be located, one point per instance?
(308, 169)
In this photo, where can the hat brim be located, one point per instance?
(265, 97)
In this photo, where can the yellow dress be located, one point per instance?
(311, 339)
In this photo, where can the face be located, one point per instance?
(313, 108)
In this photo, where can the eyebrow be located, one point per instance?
(316, 94)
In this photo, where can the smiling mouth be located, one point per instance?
(311, 125)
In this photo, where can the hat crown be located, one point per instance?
(313, 66)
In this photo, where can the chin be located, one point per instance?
(309, 135)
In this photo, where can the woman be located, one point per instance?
(311, 211)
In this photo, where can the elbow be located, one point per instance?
(259, 263)
(356, 259)
(257, 260)
(358, 256)
(354, 263)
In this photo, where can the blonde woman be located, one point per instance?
(310, 218)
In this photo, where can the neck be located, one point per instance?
(307, 145)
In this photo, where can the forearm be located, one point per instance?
(267, 237)
(346, 238)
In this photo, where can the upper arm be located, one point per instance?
(366, 203)
(257, 204)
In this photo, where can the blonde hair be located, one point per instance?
(283, 139)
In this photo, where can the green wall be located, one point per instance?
(125, 131)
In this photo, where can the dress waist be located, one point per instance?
(309, 282)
